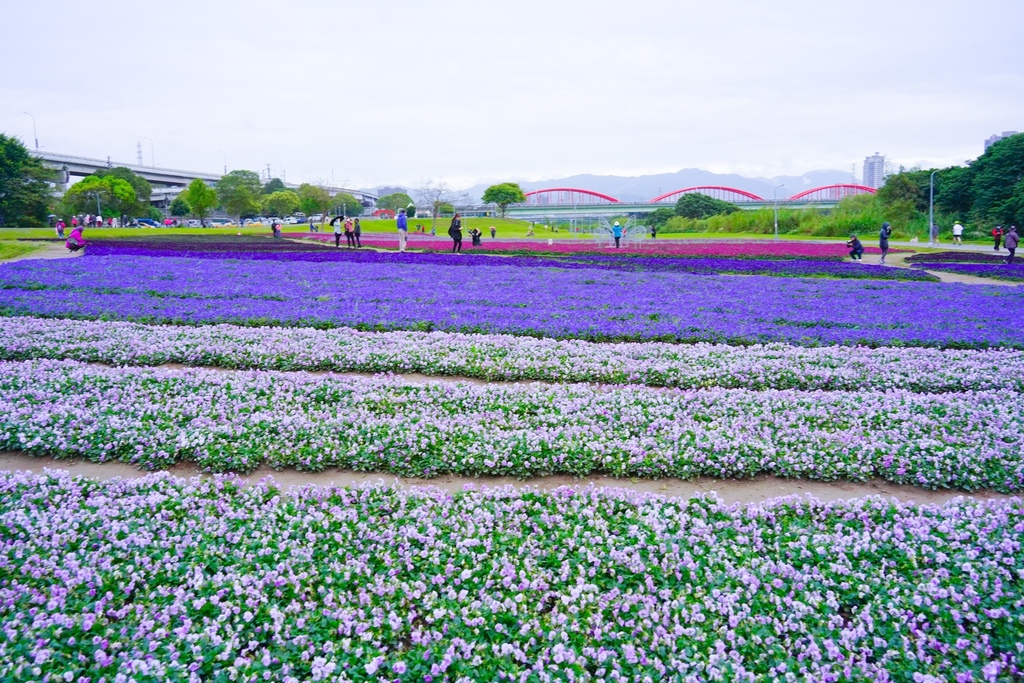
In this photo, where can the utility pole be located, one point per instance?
(138, 153)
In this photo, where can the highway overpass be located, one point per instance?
(159, 177)
(536, 212)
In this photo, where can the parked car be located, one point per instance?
(218, 222)
(194, 224)
(148, 222)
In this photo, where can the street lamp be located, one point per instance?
(225, 162)
(34, 133)
(931, 203)
(152, 156)
(775, 204)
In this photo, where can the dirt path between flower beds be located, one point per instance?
(755, 490)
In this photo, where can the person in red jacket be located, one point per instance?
(997, 235)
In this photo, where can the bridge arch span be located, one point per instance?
(568, 195)
(729, 194)
(832, 192)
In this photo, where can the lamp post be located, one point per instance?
(775, 206)
(34, 133)
(931, 203)
(152, 156)
(225, 162)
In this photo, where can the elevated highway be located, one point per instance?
(158, 177)
(566, 211)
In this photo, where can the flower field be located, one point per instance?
(692, 265)
(675, 248)
(538, 300)
(238, 421)
(512, 358)
(721, 361)
(158, 579)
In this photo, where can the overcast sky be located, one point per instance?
(397, 92)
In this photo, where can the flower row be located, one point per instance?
(158, 579)
(240, 420)
(512, 358)
(587, 303)
(788, 249)
(693, 265)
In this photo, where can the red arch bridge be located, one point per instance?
(567, 202)
(564, 196)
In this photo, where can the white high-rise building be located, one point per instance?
(874, 170)
(996, 138)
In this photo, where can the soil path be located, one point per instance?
(755, 490)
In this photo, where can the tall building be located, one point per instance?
(874, 170)
(996, 138)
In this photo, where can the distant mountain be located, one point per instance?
(643, 188)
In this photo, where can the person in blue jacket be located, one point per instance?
(617, 233)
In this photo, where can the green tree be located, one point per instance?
(660, 216)
(25, 192)
(901, 189)
(445, 209)
(504, 194)
(274, 185)
(281, 203)
(143, 190)
(313, 199)
(697, 205)
(179, 207)
(239, 193)
(201, 198)
(114, 195)
(410, 211)
(997, 185)
(346, 204)
(395, 201)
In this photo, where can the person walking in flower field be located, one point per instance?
(1010, 242)
(336, 222)
(402, 222)
(958, 233)
(357, 231)
(997, 235)
(455, 232)
(350, 233)
(883, 240)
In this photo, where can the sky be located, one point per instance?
(364, 93)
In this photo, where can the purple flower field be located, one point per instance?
(511, 358)
(238, 421)
(163, 580)
(538, 300)
(694, 265)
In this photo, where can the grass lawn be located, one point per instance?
(10, 249)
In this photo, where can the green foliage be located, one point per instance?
(25, 192)
(346, 204)
(116, 196)
(395, 201)
(902, 191)
(659, 217)
(143, 190)
(274, 185)
(697, 205)
(313, 199)
(200, 197)
(410, 211)
(179, 207)
(446, 209)
(280, 203)
(504, 194)
(997, 184)
(239, 193)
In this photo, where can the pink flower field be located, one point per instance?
(724, 249)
